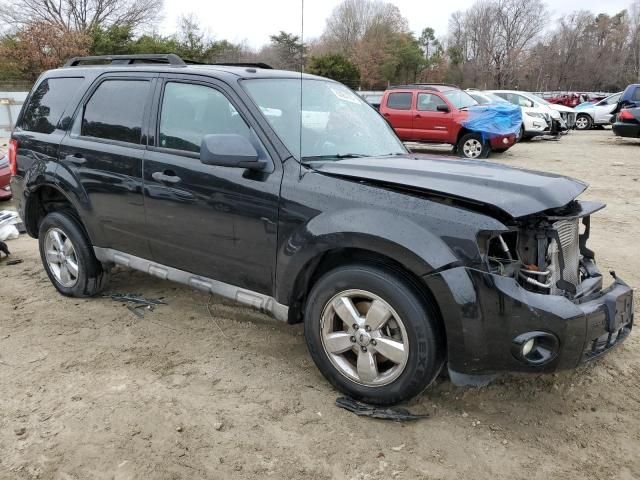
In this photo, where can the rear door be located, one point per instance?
(398, 110)
(218, 222)
(430, 124)
(104, 153)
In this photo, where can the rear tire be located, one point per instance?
(583, 122)
(410, 336)
(473, 146)
(68, 258)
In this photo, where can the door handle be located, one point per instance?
(165, 177)
(76, 159)
(418, 115)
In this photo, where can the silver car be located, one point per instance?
(596, 113)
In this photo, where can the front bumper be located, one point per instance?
(484, 313)
(502, 142)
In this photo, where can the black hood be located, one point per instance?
(515, 191)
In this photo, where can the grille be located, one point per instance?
(569, 118)
(568, 232)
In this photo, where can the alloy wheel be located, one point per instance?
(364, 338)
(472, 148)
(582, 123)
(61, 257)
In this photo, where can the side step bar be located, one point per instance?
(256, 300)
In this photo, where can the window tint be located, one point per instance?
(429, 102)
(400, 101)
(47, 103)
(189, 112)
(115, 111)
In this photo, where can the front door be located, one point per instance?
(214, 221)
(430, 124)
(104, 153)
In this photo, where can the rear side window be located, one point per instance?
(400, 101)
(47, 104)
(115, 111)
(189, 112)
(636, 95)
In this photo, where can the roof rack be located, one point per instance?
(244, 64)
(170, 58)
(421, 86)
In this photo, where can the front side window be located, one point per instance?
(190, 111)
(460, 99)
(318, 119)
(47, 104)
(428, 102)
(115, 111)
(400, 101)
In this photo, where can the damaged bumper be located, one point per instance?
(490, 318)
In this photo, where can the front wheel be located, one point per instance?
(372, 335)
(583, 122)
(472, 145)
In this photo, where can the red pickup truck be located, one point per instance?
(437, 113)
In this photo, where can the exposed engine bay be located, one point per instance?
(547, 253)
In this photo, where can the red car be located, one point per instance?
(5, 178)
(437, 113)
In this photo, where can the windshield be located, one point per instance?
(460, 99)
(332, 123)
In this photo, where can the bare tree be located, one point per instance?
(79, 15)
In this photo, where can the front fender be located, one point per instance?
(404, 241)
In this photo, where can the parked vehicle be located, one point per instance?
(567, 114)
(5, 178)
(591, 114)
(537, 117)
(485, 98)
(436, 113)
(215, 177)
(627, 123)
(630, 97)
(372, 98)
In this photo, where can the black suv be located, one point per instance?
(289, 193)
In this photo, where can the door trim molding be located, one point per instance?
(259, 301)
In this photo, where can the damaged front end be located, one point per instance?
(547, 253)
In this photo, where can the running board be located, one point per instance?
(256, 300)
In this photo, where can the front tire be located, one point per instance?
(473, 146)
(372, 335)
(583, 122)
(68, 257)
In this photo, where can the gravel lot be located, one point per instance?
(91, 391)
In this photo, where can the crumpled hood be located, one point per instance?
(515, 191)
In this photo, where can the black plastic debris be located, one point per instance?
(398, 414)
(140, 303)
(4, 249)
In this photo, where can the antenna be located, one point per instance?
(301, 85)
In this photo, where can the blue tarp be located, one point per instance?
(494, 119)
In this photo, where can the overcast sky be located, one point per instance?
(254, 20)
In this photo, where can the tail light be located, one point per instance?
(625, 115)
(13, 156)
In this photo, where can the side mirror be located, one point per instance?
(230, 150)
(442, 108)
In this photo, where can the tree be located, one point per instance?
(335, 66)
(81, 16)
(288, 51)
(39, 47)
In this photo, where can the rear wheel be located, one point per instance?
(372, 335)
(68, 257)
(472, 145)
(583, 122)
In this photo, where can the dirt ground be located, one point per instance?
(88, 390)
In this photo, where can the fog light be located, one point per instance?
(528, 346)
(505, 140)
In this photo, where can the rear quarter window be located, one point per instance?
(48, 102)
(400, 101)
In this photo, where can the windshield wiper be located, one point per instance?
(339, 156)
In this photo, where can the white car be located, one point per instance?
(590, 114)
(536, 116)
(567, 114)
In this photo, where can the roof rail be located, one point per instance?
(244, 64)
(170, 58)
(421, 86)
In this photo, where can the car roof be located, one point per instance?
(438, 87)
